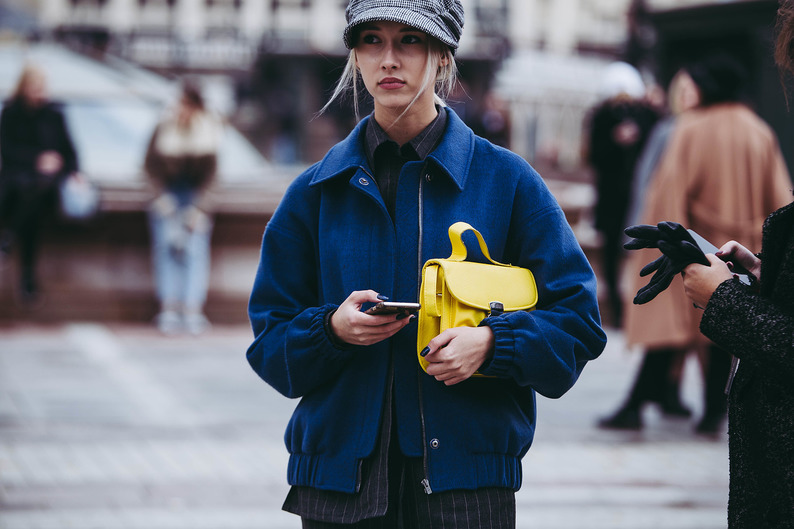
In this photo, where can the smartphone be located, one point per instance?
(706, 247)
(393, 307)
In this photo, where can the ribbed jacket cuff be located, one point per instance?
(329, 333)
(501, 362)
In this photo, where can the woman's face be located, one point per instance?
(392, 59)
(35, 88)
(684, 93)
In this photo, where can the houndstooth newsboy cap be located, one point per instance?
(442, 19)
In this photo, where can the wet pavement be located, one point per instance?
(115, 426)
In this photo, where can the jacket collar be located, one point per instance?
(452, 157)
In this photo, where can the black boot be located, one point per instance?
(628, 417)
(671, 404)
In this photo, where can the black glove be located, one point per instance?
(644, 236)
(665, 270)
(678, 248)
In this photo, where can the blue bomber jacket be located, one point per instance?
(332, 234)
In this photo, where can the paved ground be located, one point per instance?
(115, 426)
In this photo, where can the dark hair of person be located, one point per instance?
(192, 96)
(719, 77)
(784, 42)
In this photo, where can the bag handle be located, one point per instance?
(459, 251)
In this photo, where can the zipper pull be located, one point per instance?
(426, 484)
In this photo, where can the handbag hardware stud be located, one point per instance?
(497, 308)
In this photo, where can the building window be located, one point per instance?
(290, 4)
(491, 17)
(235, 4)
(156, 3)
(77, 4)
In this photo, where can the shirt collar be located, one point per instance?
(422, 145)
(453, 155)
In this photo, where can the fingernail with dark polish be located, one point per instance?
(383, 298)
(424, 352)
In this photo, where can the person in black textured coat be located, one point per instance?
(756, 325)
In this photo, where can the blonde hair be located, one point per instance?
(29, 73)
(439, 77)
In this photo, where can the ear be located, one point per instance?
(444, 61)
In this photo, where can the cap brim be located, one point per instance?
(408, 17)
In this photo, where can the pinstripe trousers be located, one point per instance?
(409, 507)
(392, 496)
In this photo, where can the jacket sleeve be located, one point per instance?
(548, 347)
(292, 350)
(752, 328)
(65, 144)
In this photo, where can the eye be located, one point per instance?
(369, 38)
(412, 39)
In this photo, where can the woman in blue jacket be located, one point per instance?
(374, 438)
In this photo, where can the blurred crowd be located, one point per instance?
(41, 183)
(704, 159)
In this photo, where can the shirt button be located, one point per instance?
(434, 444)
(428, 177)
(363, 181)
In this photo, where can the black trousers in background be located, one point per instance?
(654, 382)
(24, 206)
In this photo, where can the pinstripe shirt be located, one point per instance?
(387, 158)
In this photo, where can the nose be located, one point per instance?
(389, 60)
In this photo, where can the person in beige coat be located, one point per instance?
(721, 175)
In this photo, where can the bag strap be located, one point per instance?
(459, 251)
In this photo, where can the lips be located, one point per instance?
(391, 83)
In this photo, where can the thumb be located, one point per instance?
(359, 297)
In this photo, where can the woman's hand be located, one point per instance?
(49, 162)
(735, 252)
(701, 281)
(455, 354)
(352, 326)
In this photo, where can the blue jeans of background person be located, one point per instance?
(181, 257)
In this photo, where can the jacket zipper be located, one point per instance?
(426, 481)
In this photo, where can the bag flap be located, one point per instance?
(478, 284)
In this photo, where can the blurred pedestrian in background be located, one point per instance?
(36, 154)
(682, 95)
(181, 162)
(617, 129)
(721, 175)
(375, 441)
(756, 324)
(659, 376)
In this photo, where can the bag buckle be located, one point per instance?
(497, 308)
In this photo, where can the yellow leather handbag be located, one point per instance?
(460, 293)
